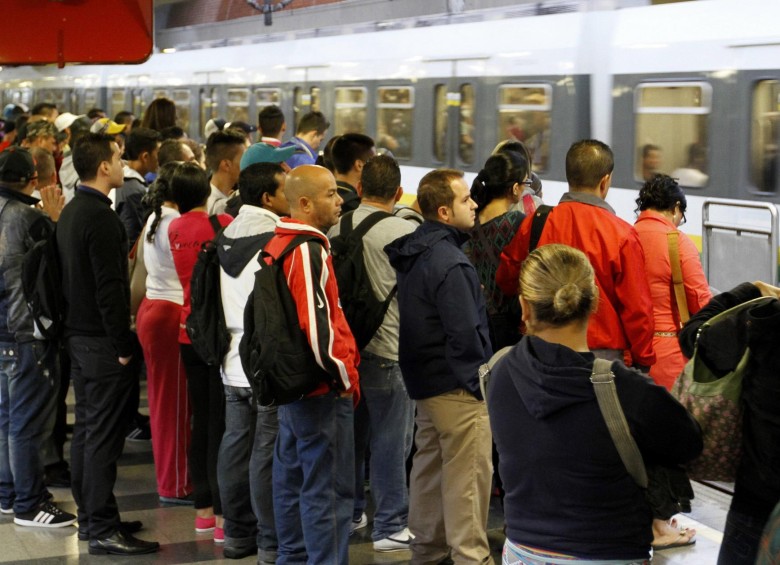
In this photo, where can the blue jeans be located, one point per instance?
(28, 383)
(741, 538)
(245, 465)
(313, 480)
(391, 425)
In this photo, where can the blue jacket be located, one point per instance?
(305, 154)
(444, 330)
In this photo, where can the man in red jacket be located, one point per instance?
(313, 474)
(583, 219)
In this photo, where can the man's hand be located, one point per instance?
(125, 360)
(52, 201)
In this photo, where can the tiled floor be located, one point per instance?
(173, 528)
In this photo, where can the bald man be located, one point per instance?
(313, 468)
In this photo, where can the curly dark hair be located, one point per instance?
(661, 192)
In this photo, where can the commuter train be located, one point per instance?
(694, 84)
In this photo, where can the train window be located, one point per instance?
(314, 101)
(267, 97)
(117, 101)
(765, 135)
(297, 105)
(90, 100)
(394, 120)
(350, 115)
(466, 124)
(671, 131)
(440, 122)
(524, 115)
(62, 99)
(161, 93)
(181, 98)
(237, 105)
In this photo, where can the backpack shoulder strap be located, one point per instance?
(603, 380)
(537, 225)
(369, 222)
(215, 224)
(347, 223)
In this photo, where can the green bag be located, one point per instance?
(716, 403)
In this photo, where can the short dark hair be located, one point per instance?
(313, 121)
(380, 178)
(646, 149)
(44, 163)
(258, 179)
(43, 109)
(350, 147)
(587, 162)
(89, 152)
(121, 117)
(172, 132)
(661, 192)
(270, 121)
(170, 150)
(223, 145)
(189, 187)
(435, 191)
(141, 140)
(95, 113)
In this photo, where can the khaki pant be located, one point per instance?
(449, 495)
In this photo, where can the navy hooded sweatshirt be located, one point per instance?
(444, 330)
(567, 489)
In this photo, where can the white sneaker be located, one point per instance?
(358, 524)
(399, 541)
(6, 510)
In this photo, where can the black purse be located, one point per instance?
(667, 488)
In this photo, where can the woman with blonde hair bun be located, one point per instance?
(569, 497)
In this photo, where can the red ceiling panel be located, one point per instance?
(37, 32)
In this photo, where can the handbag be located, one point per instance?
(137, 271)
(715, 402)
(666, 487)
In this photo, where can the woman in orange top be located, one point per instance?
(662, 205)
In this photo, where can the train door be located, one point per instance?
(394, 124)
(455, 135)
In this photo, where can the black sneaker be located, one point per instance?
(140, 433)
(46, 516)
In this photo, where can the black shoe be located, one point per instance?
(139, 433)
(120, 543)
(57, 478)
(188, 500)
(47, 515)
(126, 527)
(238, 552)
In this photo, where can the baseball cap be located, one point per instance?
(243, 126)
(40, 128)
(213, 125)
(107, 126)
(264, 153)
(16, 165)
(65, 120)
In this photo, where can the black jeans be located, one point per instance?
(101, 385)
(207, 400)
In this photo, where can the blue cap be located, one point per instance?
(265, 153)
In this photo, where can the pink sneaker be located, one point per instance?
(219, 536)
(205, 525)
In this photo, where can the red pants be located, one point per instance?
(169, 409)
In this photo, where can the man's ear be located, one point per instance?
(399, 193)
(359, 188)
(443, 212)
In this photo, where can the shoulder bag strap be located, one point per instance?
(677, 278)
(603, 380)
(537, 226)
(216, 226)
(486, 368)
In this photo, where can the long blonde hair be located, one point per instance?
(559, 284)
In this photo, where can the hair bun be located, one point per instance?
(567, 299)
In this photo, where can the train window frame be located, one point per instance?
(757, 160)
(703, 109)
(541, 159)
(231, 104)
(407, 107)
(342, 106)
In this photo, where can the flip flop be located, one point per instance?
(686, 538)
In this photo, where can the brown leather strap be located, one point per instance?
(677, 279)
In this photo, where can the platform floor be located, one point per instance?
(173, 527)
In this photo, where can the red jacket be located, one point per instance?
(624, 318)
(312, 283)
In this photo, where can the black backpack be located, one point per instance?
(363, 310)
(42, 286)
(206, 323)
(277, 357)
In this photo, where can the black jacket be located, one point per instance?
(757, 486)
(92, 244)
(444, 329)
(567, 489)
(21, 226)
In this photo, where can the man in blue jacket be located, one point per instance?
(443, 341)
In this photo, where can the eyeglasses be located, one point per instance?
(527, 182)
(682, 220)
